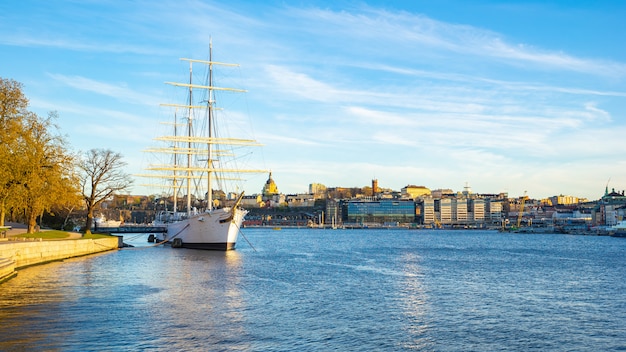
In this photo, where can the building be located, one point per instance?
(610, 209)
(477, 206)
(445, 210)
(253, 201)
(429, 217)
(300, 200)
(333, 214)
(375, 188)
(493, 212)
(317, 189)
(379, 211)
(459, 211)
(271, 197)
(441, 193)
(414, 192)
(564, 200)
(269, 189)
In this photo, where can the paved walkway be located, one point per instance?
(20, 229)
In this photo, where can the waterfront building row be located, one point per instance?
(418, 205)
(426, 212)
(472, 210)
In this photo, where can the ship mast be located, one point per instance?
(175, 185)
(189, 134)
(189, 144)
(209, 192)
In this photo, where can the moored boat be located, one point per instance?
(619, 229)
(101, 222)
(207, 223)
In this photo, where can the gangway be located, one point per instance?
(132, 229)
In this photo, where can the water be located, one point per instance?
(325, 290)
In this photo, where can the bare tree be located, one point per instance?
(102, 176)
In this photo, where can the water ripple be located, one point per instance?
(313, 290)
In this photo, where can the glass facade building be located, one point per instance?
(380, 211)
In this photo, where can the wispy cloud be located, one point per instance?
(373, 118)
(284, 140)
(120, 92)
(300, 84)
(36, 40)
(460, 78)
(595, 113)
(418, 31)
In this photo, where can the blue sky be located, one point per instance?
(506, 96)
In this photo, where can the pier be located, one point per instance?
(132, 229)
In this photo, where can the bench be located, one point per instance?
(3, 231)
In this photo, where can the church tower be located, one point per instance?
(375, 190)
(270, 188)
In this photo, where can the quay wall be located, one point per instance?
(7, 269)
(18, 254)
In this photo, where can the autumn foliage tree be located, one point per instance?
(46, 173)
(101, 177)
(36, 166)
(13, 105)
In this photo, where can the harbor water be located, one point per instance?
(329, 290)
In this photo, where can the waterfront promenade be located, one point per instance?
(20, 229)
(17, 253)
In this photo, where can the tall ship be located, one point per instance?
(199, 159)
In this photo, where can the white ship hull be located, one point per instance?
(217, 230)
(102, 223)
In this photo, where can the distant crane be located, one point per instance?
(437, 223)
(520, 212)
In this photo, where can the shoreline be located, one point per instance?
(18, 253)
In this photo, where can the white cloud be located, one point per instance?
(403, 29)
(595, 113)
(120, 92)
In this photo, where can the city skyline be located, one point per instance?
(504, 96)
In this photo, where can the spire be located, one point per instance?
(270, 188)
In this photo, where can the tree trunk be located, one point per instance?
(69, 212)
(32, 222)
(89, 221)
(2, 212)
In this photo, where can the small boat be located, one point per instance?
(197, 161)
(619, 229)
(102, 222)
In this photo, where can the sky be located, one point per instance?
(500, 96)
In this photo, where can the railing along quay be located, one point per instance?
(132, 229)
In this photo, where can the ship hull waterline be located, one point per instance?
(215, 230)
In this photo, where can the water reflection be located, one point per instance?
(414, 302)
(195, 297)
(151, 297)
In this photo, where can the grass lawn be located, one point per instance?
(59, 235)
(97, 235)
